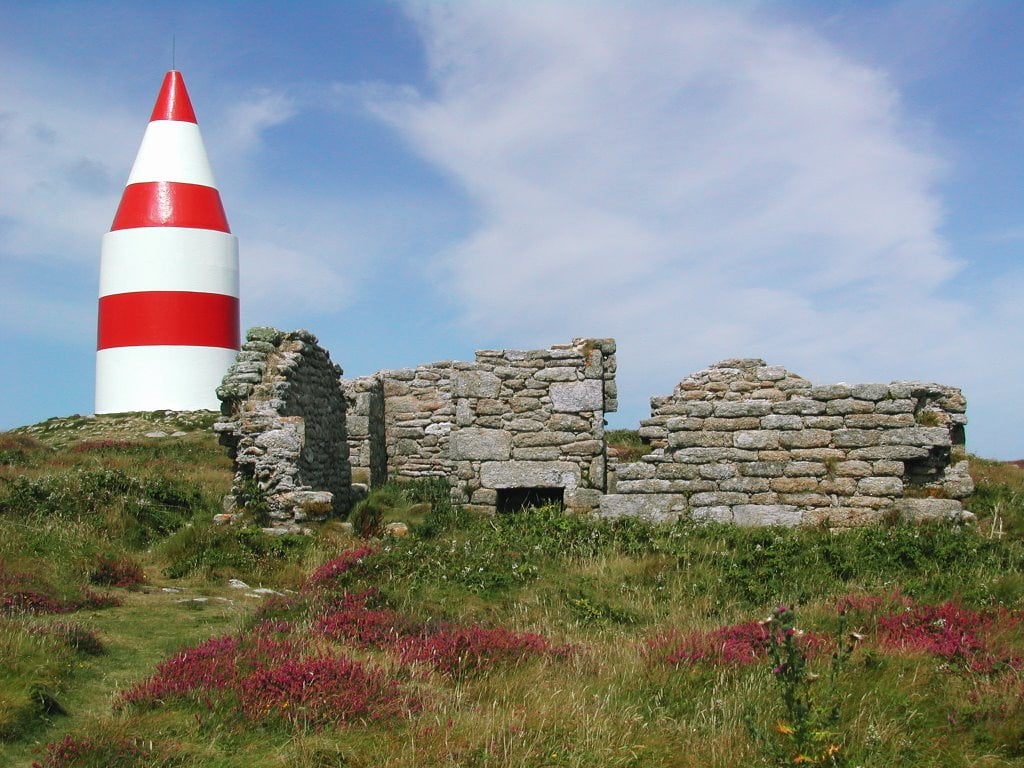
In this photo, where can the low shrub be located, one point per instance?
(22, 592)
(626, 445)
(737, 644)
(108, 444)
(112, 571)
(272, 680)
(218, 550)
(359, 620)
(73, 635)
(959, 635)
(208, 668)
(461, 649)
(318, 691)
(351, 619)
(331, 573)
(16, 450)
(133, 508)
(98, 752)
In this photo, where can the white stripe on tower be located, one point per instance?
(172, 150)
(169, 259)
(168, 310)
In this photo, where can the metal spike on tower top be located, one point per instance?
(168, 310)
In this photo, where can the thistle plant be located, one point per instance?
(806, 734)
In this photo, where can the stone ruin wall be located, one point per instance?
(365, 430)
(510, 419)
(283, 422)
(740, 442)
(753, 444)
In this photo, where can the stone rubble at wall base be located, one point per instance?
(740, 442)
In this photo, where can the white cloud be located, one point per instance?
(695, 180)
(62, 170)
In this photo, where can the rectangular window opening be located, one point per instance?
(517, 499)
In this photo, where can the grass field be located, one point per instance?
(535, 639)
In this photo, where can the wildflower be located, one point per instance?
(783, 728)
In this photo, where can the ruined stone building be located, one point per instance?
(740, 441)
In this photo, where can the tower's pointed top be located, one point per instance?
(173, 103)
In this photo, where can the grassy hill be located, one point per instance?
(534, 639)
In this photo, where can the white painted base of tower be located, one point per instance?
(160, 378)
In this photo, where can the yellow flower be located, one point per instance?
(781, 727)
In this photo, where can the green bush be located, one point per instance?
(137, 508)
(224, 550)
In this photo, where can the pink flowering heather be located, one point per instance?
(27, 593)
(271, 681)
(871, 605)
(350, 619)
(71, 752)
(736, 645)
(955, 633)
(95, 600)
(332, 569)
(273, 606)
(449, 648)
(460, 649)
(117, 572)
(208, 668)
(320, 691)
(273, 626)
(73, 635)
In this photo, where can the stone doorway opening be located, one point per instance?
(517, 499)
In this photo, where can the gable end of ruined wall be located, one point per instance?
(284, 425)
(754, 444)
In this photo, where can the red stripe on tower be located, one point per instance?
(168, 319)
(170, 204)
(173, 103)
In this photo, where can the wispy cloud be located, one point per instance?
(695, 180)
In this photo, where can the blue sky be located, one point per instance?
(834, 187)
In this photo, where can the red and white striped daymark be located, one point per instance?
(171, 183)
(168, 320)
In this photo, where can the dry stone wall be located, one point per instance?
(533, 420)
(512, 419)
(740, 442)
(365, 430)
(753, 444)
(283, 423)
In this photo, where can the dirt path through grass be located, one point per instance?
(137, 635)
